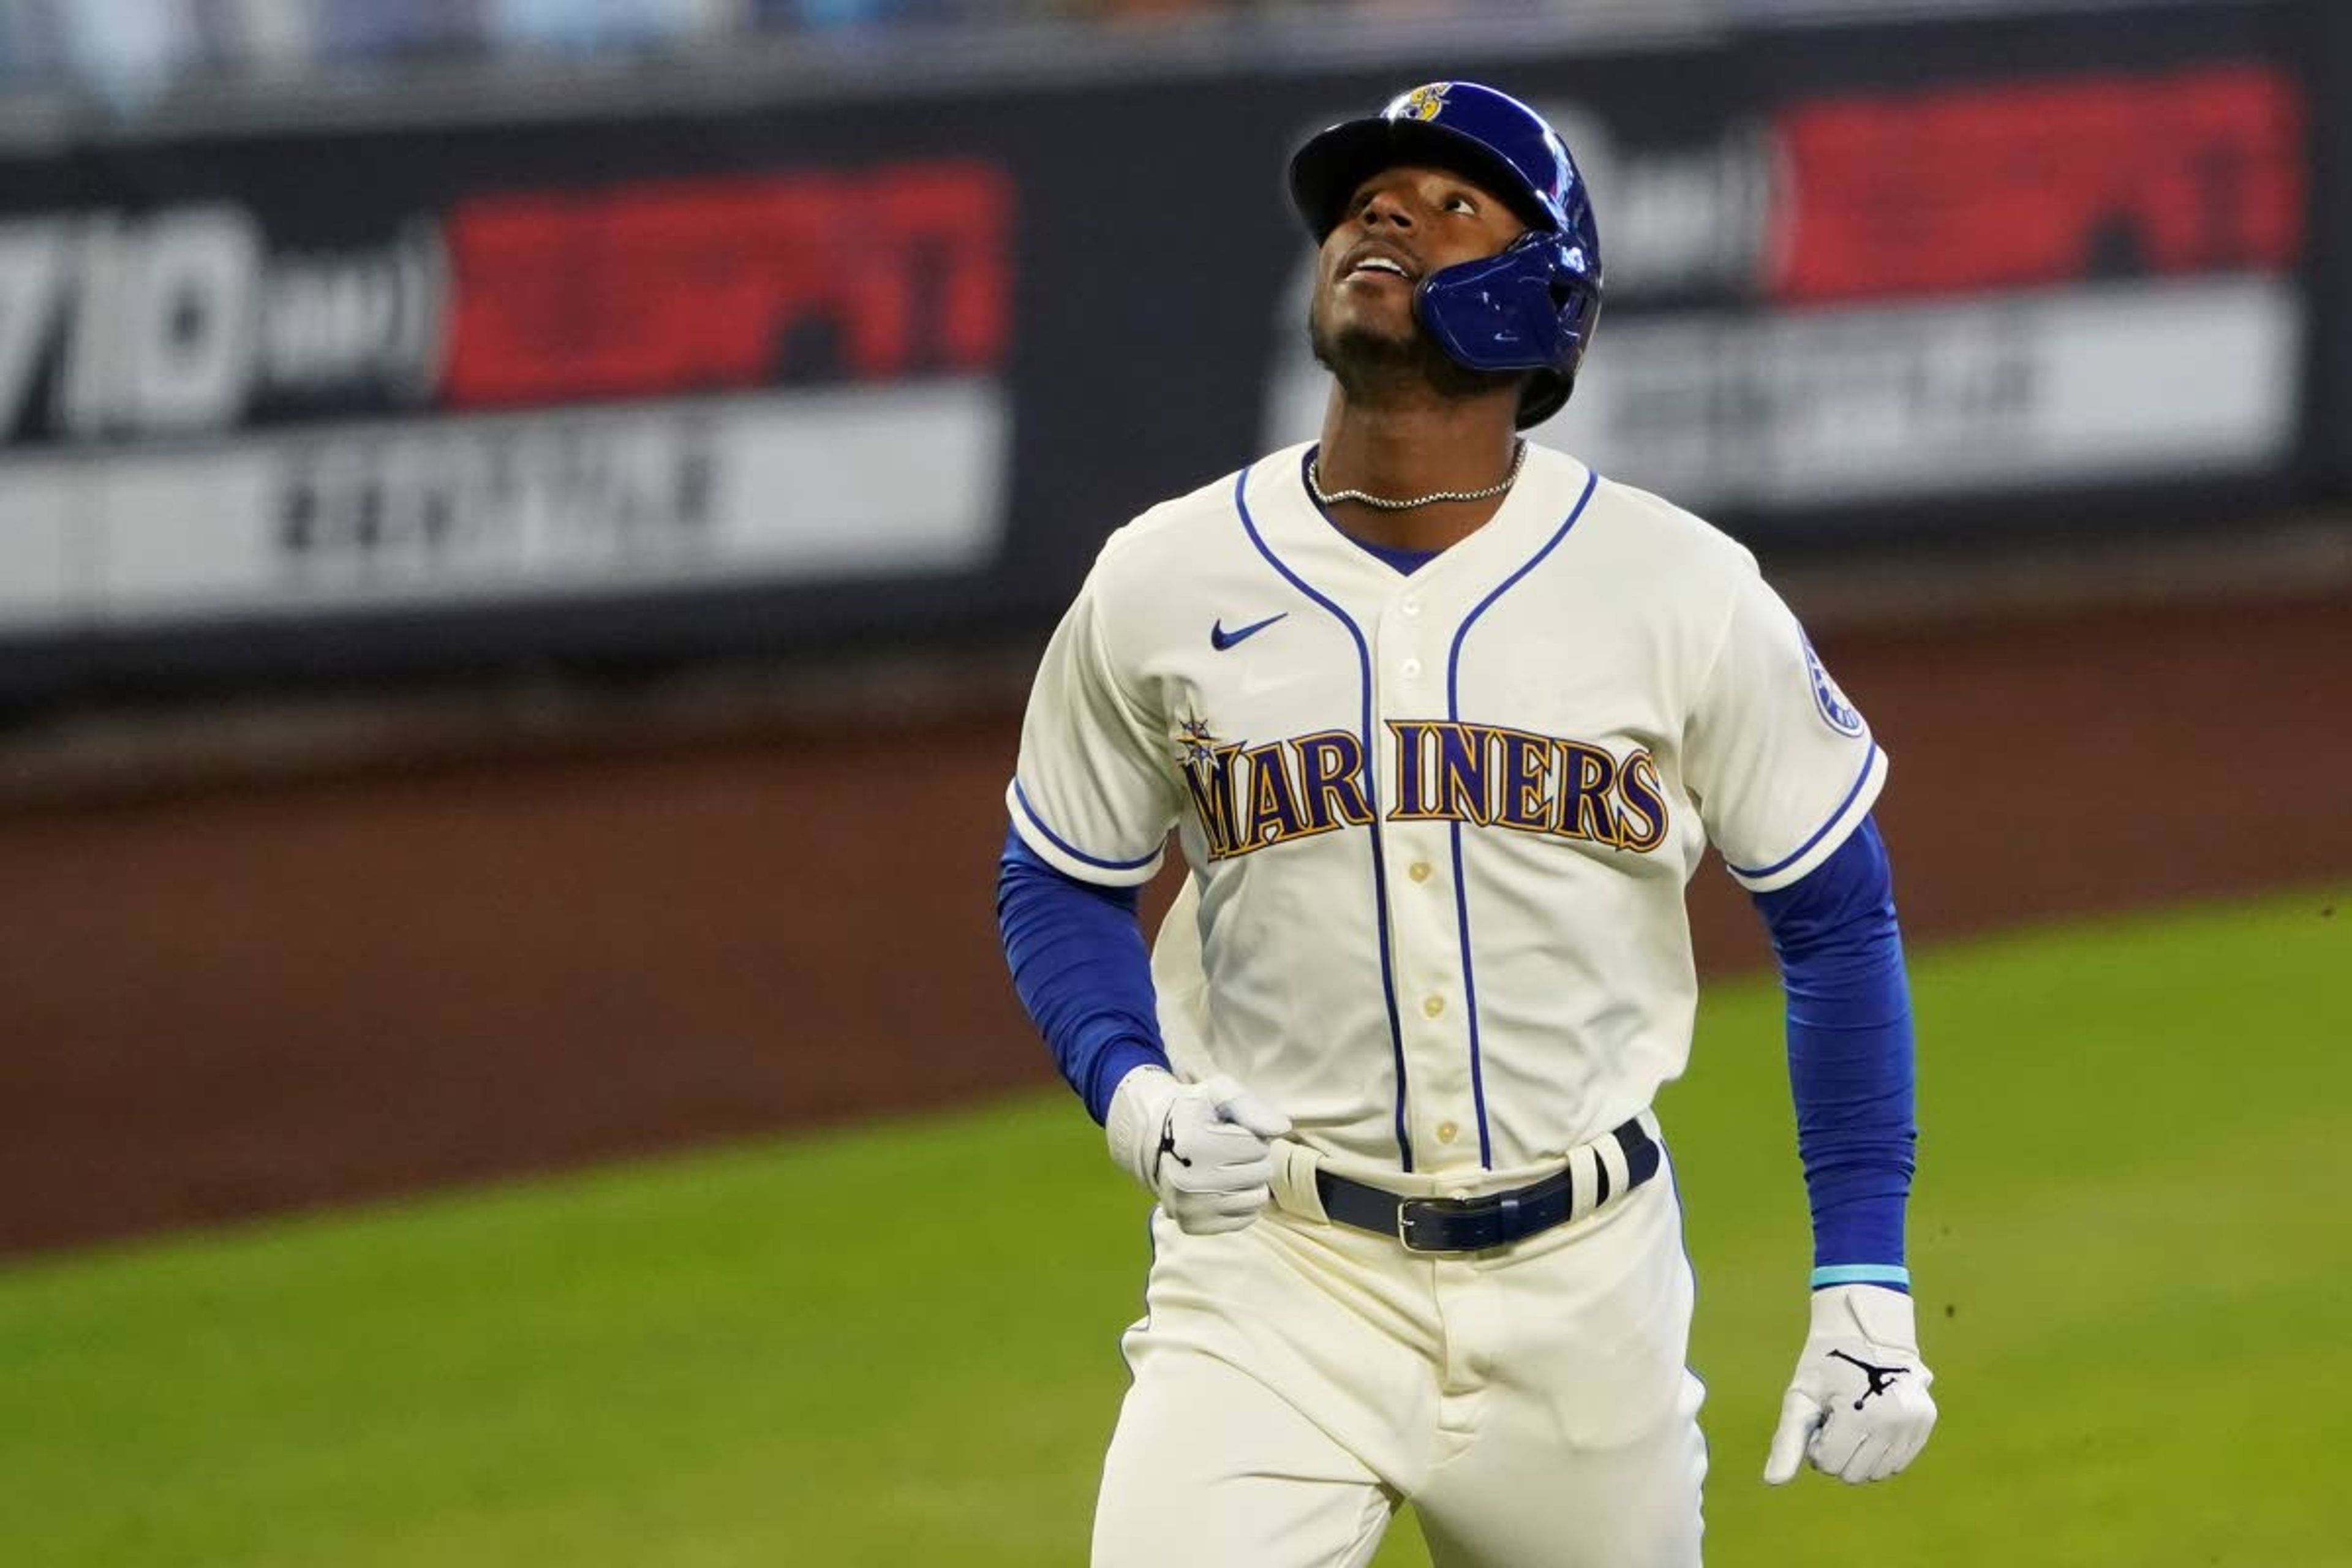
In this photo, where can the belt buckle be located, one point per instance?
(1406, 1216)
(1458, 1208)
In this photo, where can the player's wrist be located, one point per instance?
(1872, 1312)
(1120, 1055)
(1892, 1275)
(1138, 1110)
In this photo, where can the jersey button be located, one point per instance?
(1418, 870)
(1432, 1005)
(1447, 1133)
(1410, 669)
(1409, 607)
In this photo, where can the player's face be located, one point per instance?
(1399, 226)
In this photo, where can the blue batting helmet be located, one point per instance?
(1530, 306)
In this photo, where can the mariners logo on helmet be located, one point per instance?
(1422, 103)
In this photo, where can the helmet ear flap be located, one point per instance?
(1530, 307)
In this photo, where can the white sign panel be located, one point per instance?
(37, 518)
(2131, 381)
(772, 488)
(1946, 398)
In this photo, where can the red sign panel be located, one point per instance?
(729, 282)
(2044, 181)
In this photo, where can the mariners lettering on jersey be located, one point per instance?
(1250, 797)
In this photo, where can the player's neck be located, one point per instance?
(1397, 452)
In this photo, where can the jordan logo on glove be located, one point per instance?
(1225, 1177)
(1168, 1140)
(1882, 1378)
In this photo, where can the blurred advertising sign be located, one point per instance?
(621, 387)
(712, 373)
(1942, 397)
(443, 510)
(1991, 286)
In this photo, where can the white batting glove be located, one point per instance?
(1858, 1407)
(1200, 1147)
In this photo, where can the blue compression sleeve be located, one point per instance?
(1078, 961)
(1849, 1057)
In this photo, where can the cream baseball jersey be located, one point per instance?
(1439, 824)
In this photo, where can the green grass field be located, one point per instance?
(899, 1346)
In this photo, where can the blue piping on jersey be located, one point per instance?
(1460, 889)
(1470, 999)
(1072, 850)
(1802, 850)
(1372, 798)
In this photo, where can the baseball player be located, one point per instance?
(1444, 722)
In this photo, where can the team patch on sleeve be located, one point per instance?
(1837, 712)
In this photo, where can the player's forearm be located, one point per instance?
(1082, 970)
(1851, 1060)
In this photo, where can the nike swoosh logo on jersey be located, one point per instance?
(1222, 640)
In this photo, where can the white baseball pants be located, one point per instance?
(1292, 1381)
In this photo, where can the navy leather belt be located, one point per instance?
(1494, 1219)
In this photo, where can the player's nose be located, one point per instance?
(1388, 206)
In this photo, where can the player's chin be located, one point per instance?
(1384, 308)
(1369, 337)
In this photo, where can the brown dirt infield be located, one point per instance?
(225, 1002)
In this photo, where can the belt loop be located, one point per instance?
(1295, 1191)
(1610, 1156)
